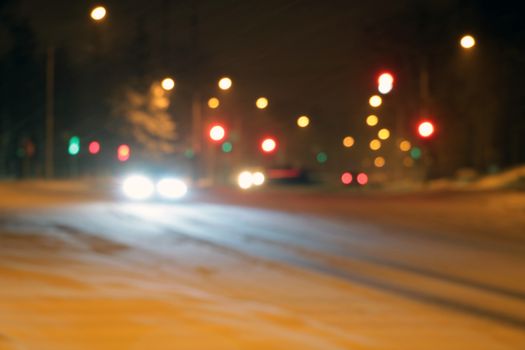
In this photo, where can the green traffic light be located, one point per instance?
(74, 145)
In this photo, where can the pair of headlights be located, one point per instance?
(140, 187)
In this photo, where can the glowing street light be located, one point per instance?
(213, 102)
(383, 134)
(168, 84)
(348, 141)
(225, 83)
(375, 101)
(303, 121)
(467, 42)
(261, 103)
(372, 120)
(98, 13)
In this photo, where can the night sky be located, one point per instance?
(308, 57)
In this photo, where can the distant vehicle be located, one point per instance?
(288, 176)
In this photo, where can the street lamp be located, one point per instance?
(98, 13)
(168, 84)
(225, 83)
(467, 42)
(303, 121)
(261, 103)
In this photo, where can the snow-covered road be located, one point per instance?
(267, 270)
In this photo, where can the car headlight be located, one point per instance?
(245, 180)
(171, 188)
(258, 178)
(138, 187)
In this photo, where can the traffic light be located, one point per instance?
(74, 145)
(94, 147)
(123, 152)
(217, 132)
(425, 129)
(385, 83)
(268, 145)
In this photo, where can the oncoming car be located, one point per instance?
(139, 186)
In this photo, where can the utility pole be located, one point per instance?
(50, 117)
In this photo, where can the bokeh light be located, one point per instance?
(425, 129)
(375, 101)
(385, 83)
(168, 84)
(261, 103)
(372, 120)
(213, 102)
(408, 162)
(123, 153)
(322, 157)
(227, 147)
(405, 145)
(138, 187)
(362, 179)
(268, 145)
(348, 141)
(98, 13)
(416, 153)
(217, 132)
(383, 134)
(94, 147)
(258, 178)
(225, 83)
(303, 121)
(375, 144)
(346, 178)
(467, 42)
(379, 162)
(245, 180)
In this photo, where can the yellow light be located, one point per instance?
(225, 83)
(98, 13)
(375, 101)
(405, 146)
(467, 42)
(372, 120)
(383, 134)
(375, 144)
(303, 121)
(168, 84)
(348, 141)
(261, 103)
(379, 162)
(408, 162)
(213, 102)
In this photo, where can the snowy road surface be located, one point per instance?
(268, 270)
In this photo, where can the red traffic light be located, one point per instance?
(425, 129)
(385, 82)
(123, 153)
(217, 132)
(268, 145)
(94, 147)
(362, 179)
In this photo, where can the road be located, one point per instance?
(276, 269)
